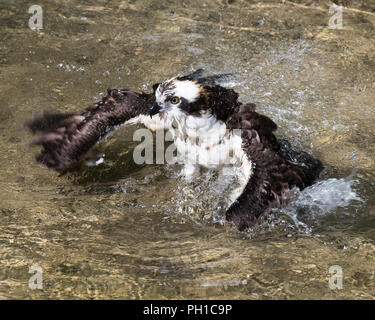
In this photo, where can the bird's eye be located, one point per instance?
(175, 100)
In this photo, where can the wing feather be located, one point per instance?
(67, 139)
(278, 168)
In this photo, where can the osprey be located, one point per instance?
(204, 118)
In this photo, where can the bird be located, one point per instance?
(204, 118)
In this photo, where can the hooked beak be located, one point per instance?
(155, 108)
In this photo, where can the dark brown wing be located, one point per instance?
(277, 168)
(67, 139)
(223, 102)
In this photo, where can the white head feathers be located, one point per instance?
(186, 89)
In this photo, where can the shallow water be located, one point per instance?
(125, 231)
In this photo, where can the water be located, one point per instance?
(126, 231)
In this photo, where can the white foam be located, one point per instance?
(327, 195)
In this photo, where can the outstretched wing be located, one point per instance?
(277, 168)
(67, 140)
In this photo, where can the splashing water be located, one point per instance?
(321, 200)
(327, 195)
(205, 201)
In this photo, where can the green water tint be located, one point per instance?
(126, 231)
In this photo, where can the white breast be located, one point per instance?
(204, 141)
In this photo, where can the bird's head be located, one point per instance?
(194, 94)
(179, 95)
